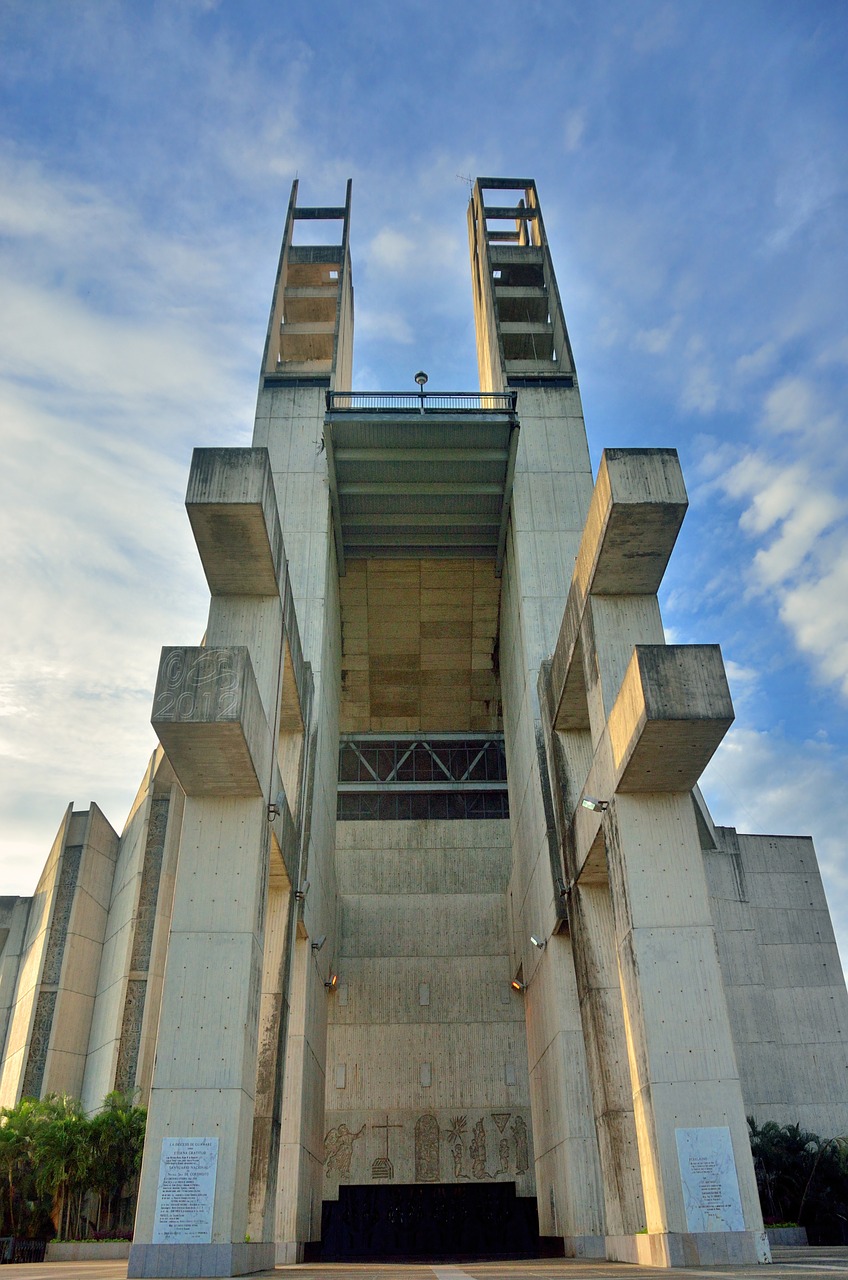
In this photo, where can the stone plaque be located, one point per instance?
(186, 1192)
(710, 1184)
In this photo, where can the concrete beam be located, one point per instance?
(634, 518)
(671, 713)
(208, 716)
(233, 513)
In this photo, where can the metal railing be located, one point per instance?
(422, 401)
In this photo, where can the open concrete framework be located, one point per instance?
(419, 926)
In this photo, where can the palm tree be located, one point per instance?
(60, 1155)
(17, 1127)
(118, 1139)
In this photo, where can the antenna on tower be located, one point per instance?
(463, 178)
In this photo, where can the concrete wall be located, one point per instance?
(122, 1045)
(785, 988)
(426, 1034)
(553, 485)
(290, 423)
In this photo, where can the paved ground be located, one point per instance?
(790, 1264)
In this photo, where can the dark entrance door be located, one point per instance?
(477, 1220)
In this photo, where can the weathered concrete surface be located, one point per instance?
(233, 513)
(208, 715)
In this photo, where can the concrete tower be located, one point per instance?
(419, 917)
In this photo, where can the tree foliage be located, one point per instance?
(66, 1174)
(802, 1178)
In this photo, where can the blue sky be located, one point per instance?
(691, 162)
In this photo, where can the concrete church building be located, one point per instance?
(419, 938)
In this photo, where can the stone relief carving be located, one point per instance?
(427, 1149)
(455, 1137)
(62, 907)
(151, 873)
(477, 1151)
(39, 1041)
(406, 1147)
(382, 1167)
(519, 1133)
(130, 1042)
(338, 1149)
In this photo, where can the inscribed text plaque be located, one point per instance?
(710, 1184)
(186, 1193)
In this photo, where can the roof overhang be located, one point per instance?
(416, 480)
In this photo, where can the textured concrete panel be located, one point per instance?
(233, 513)
(671, 714)
(208, 716)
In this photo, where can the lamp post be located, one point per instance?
(421, 379)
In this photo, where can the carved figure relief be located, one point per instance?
(477, 1151)
(382, 1166)
(427, 1149)
(500, 1118)
(455, 1140)
(519, 1133)
(503, 1153)
(338, 1150)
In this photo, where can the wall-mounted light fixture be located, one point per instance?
(275, 807)
(300, 894)
(518, 985)
(319, 942)
(332, 982)
(541, 943)
(597, 806)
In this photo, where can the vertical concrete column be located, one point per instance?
(670, 979)
(591, 918)
(655, 714)
(272, 1027)
(216, 710)
(203, 1083)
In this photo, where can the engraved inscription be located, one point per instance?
(197, 684)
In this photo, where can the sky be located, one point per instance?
(691, 164)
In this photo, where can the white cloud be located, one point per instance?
(804, 567)
(117, 351)
(575, 127)
(656, 341)
(385, 326)
(756, 362)
(392, 250)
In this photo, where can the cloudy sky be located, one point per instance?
(691, 161)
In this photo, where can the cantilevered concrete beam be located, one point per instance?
(233, 513)
(208, 715)
(634, 518)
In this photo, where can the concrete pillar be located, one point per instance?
(217, 712)
(639, 903)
